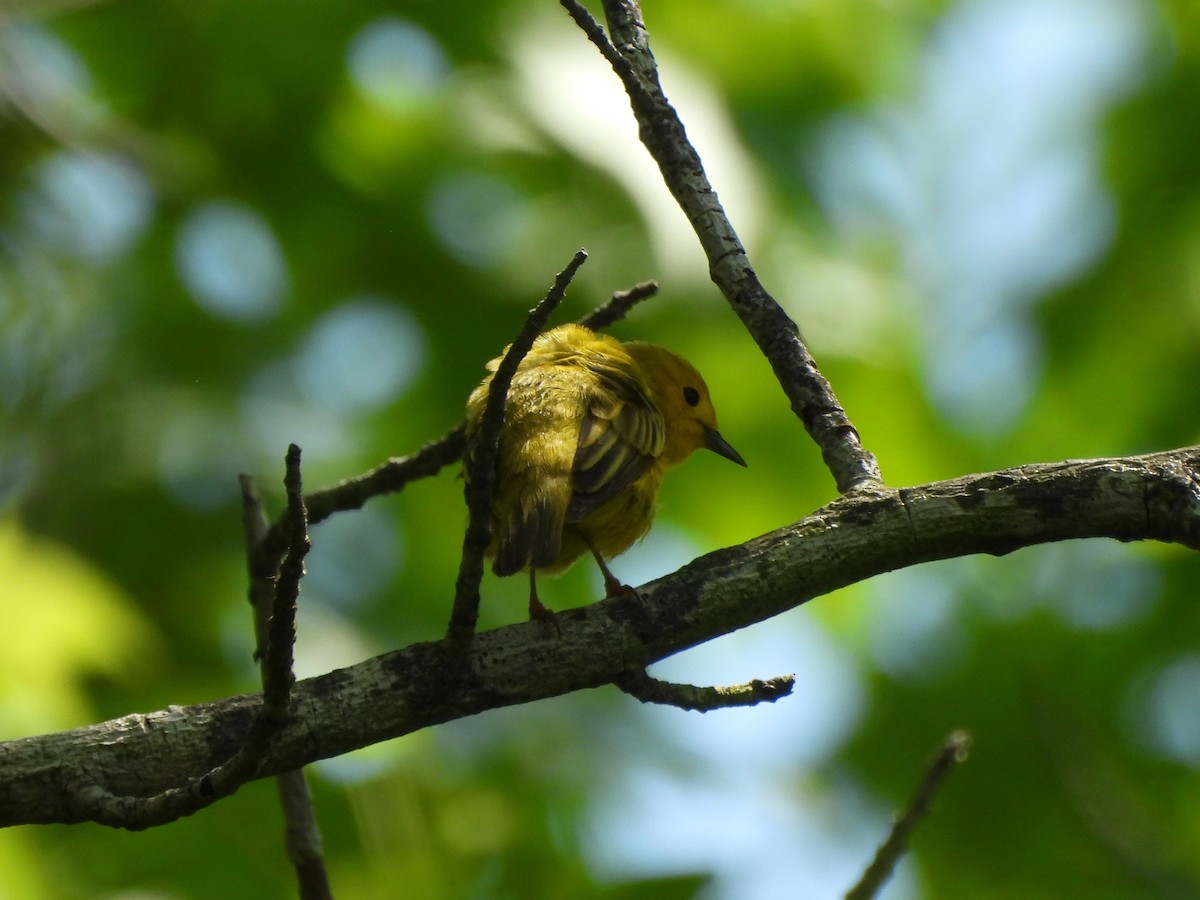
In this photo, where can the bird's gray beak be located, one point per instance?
(717, 444)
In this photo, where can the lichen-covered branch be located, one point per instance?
(1153, 497)
(102, 803)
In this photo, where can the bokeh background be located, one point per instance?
(231, 225)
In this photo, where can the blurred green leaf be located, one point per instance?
(982, 214)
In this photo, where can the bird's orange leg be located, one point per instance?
(612, 586)
(536, 609)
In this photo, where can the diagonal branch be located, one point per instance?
(386, 478)
(777, 336)
(618, 306)
(1152, 497)
(952, 753)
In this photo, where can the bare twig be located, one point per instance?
(953, 752)
(619, 305)
(136, 813)
(261, 570)
(482, 455)
(641, 685)
(281, 629)
(662, 132)
(387, 478)
(302, 838)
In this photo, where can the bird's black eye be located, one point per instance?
(691, 396)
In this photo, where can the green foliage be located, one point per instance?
(227, 226)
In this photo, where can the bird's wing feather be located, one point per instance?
(621, 434)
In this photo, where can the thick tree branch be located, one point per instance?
(777, 336)
(1153, 497)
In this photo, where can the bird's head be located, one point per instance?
(683, 399)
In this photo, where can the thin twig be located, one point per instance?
(262, 571)
(622, 66)
(619, 305)
(281, 629)
(136, 813)
(386, 478)
(641, 685)
(302, 838)
(777, 336)
(953, 752)
(482, 456)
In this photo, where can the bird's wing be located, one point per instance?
(620, 436)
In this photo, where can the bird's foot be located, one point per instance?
(615, 588)
(540, 613)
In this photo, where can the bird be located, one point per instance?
(591, 425)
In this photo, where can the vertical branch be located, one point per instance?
(482, 454)
(262, 565)
(662, 132)
(276, 658)
(302, 838)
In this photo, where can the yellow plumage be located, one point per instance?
(591, 424)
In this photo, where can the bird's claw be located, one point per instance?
(538, 612)
(614, 588)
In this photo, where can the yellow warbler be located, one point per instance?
(590, 426)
